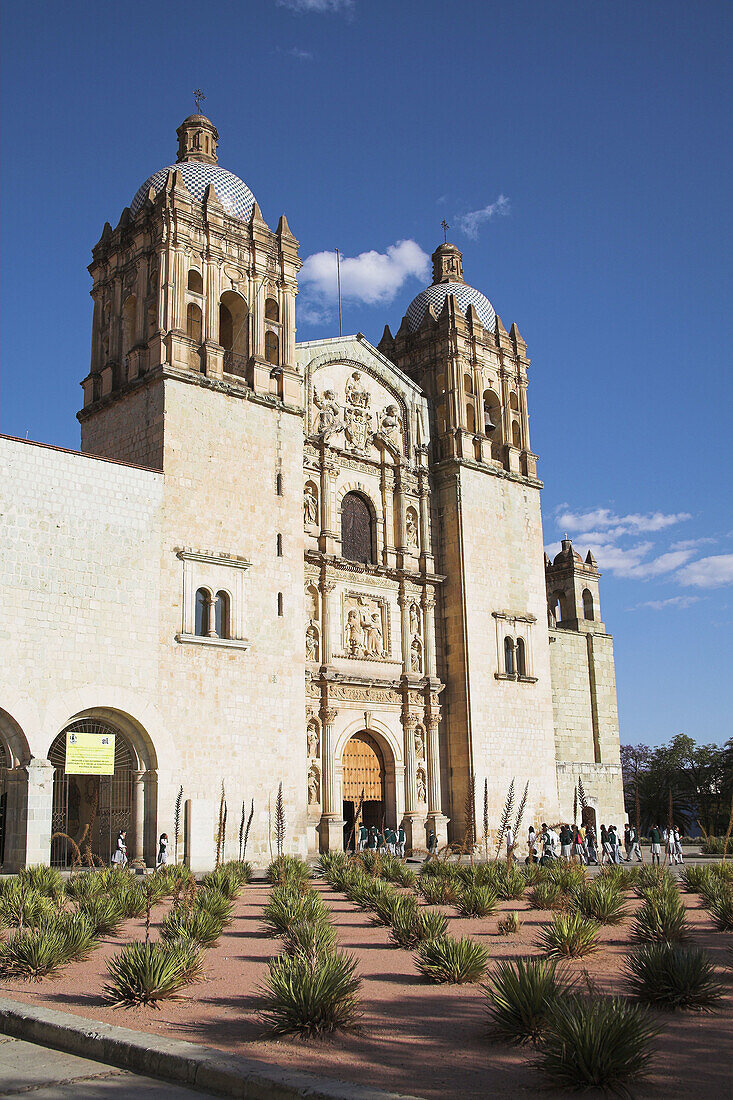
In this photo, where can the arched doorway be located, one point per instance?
(91, 807)
(363, 785)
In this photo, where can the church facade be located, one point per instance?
(316, 566)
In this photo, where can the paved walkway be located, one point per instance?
(41, 1073)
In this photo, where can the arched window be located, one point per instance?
(221, 615)
(588, 604)
(279, 484)
(513, 403)
(468, 383)
(516, 434)
(129, 324)
(470, 417)
(357, 536)
(272, 310)
(193, 323)
(492, 415)
(509, 656)
(233, 328)
(195, 281)
(521, 657)
(226, 327)
(272, 348)
(201, 629)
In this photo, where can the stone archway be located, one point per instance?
(14, 759)
(367, 783)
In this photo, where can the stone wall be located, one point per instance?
(127, 427)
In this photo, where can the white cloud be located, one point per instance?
(713, 572)
(373, 278)
(630, 562)
(691, 544)
(673, 601)
(605, 519)
(298, 54)
(471, 222)
(318, 7)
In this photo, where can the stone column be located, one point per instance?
(436, 822)
(404, 601)
(327, 540)
(150, 816)
(327, 588)
(412, 821)
(428, 604)
(523, 413)
(331, 828)
(426, 555)
(211, 616)
(40, 803)
(138, 815)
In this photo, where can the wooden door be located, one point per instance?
(363, 770)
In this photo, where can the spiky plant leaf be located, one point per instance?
(548, 895)
(569, 936)
(457, 961)
(288, 870)
(195, 924)
(287, 906)
(506, 817)
(35, 953)
(145, 973)
(721, 910)
(596, 1042)
(601, 901)
(476, 901)
(105, 913)
(22, 906)
(311, 994)
(661, 919)
(670, 976)
(521, 994)
(437, 891)
(509, 925)
(280, 820)
(46, 880)
(310, 937)
(213, 901)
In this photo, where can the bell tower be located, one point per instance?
(486, 496)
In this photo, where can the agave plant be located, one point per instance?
(84, 885)
(313, 938)
(145, 973)
(240, 869)
(440, 868)
(401, 875)
(659, 879)
(694, 878)
(445, 959)
(368, 893)
(548, 895)
(670, 976)
(390, 906)
(511, 883)
(713, 889)
(596, 1042)
(35, 953)
(532, 873)
(521, 995)
(189, 956)
(196, 924)
(224, 881)
(331, 861)
(476, 901)
(569, 936)
(509, 925)
(288, 870)
(285, 907)
(211, 900)
(567, 876)
(601, 901)
(104, 913)
(77, 932)
(622, 877)
(721, 910)
(438, 891)
(311, 994)
(21, 905)
(661, 918)
(132, 900)
(46, 880)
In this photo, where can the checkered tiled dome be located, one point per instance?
(436, 295)
(234, 195)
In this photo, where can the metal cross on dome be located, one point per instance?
(445, 227)
(198, 95)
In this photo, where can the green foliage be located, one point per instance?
(476, 901)
(145, 973)
(568, 876)
(392, 905)
(532, 873)
(46, 880)
(596, 1042)
(511, 883)
(311, 994)
(195, 924)
(654, 878)
(570, 936)
(509, 925)
(602, 901)
(84, 885)
(132, 900)
(721, 910)
(34, 954)
(311, 937)
(394, 870)
(328, 862)
(713, 845)
(368, 892)
(77, 932)
(225, 880)
(445, 959)
(661, 919)
(286, 906)
(670, 976)
(412, 926)
(622, 877)
(105, 913)
(695, 878)
(438, 890)
(22, 905)
(548, 895)
(439, 868)
(521, 995)
(240, 868)
(288, 871)
(210, 900)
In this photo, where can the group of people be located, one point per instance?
(672, 840)
(374, 840)
(119, 856)
(579, 842)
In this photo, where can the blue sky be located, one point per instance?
(581, 153)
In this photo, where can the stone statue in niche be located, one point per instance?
(329, 414)
(357, 418)
(390, 425)
(364, 628)
(311, 643)
(314, 792)
(411, 529)
(422, 789)
(419, 743)
(414, 619)
(416, 656)
(310, 505)
(313, 740)
(311, 601)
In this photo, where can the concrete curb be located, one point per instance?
(174, 1060)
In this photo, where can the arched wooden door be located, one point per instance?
(363, 785)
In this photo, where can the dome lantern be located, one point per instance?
(447, 264)
(197, 140)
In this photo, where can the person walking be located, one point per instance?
(531, 845)
(401, 838)
(615, 842)
(363, 836)
(566, 841)
(668, 836)
(579, 845)
(372, 844)
(678, 844)
(509, 843)
(627, 842)
(162, 851)
(635, 848)
(655, 837)
(590, 843)
(606, 853)
(432, 844)
(119, 857)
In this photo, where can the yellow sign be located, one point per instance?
(90, 753)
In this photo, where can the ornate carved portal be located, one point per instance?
(366, 633)
(363, 784)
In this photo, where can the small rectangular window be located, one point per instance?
(279, 484)
(279, 546)
(279, 603)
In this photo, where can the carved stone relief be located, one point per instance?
(314, 743)
(411, 529)
(310, 503)
(314, 786)
(422, 787)
(311, 643)
(420, 743)
(365, 626)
